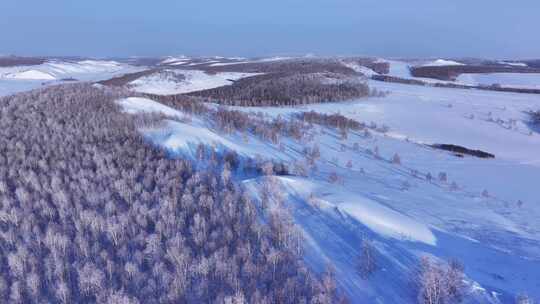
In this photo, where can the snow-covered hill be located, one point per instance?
(483, 212)
(384, 182)
(402, 69)
(19, 78)
(167, 82)
(510, 80)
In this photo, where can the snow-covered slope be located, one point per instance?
(193, 80)
(401, 69)
(442, 62)
(482, 212)
(184, 133)
(20, 78)
(512, 80)
(30, 75)
(485, 213)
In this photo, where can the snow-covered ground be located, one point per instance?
(442, 62)
(485, 214)
(175, 60)
(401, 69)
(513, 80)
(163, 84)
(21, 78)
(519, 64)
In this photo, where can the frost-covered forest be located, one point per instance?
(91, 212)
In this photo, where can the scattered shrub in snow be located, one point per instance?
(439, 284)
(405, 185)
(349, 164)
(485, 193)
(396, 159)
(333, 177)
(443, 177)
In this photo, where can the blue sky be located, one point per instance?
(396, 28)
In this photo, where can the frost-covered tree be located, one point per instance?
(366, 261)
(439, 283)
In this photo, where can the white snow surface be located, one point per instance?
(194, 81)
(360, 69)
(401, 69)
(137, 105)
(442, 62)
(175, 59)
(513, 80)
(29, 75)
(519, 64)
(377, 217)
(21, 78)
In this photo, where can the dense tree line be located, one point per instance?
(11, 61)
(92, 213)
(285, 89)
(296, 65)
(451, 72)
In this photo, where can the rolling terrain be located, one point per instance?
(381, 189)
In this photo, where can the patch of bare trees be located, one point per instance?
(271, 130)
(92, 213)
(440, 283)
(336, 120)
